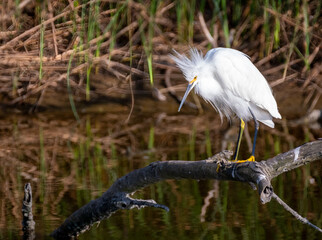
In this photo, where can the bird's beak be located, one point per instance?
(189, 88)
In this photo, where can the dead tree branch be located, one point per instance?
(28, 223)
(257, 174)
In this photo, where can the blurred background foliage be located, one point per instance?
(108, 50)
(88, 93)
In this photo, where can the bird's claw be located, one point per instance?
(218, 167)
(250, 159)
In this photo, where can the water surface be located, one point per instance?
(68, 164)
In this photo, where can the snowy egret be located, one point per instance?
(229, 81)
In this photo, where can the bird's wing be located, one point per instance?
(237, 74)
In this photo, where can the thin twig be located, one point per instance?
(271, 56)
(206, 31)
(51, 15)
(281, 80)
(294, 213)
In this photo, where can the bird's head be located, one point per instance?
(191, 69)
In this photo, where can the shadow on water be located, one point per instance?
(69, 164)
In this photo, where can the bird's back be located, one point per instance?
(242, 84)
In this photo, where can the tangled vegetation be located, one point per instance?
(56, 53)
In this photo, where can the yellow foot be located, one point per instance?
(250, 159)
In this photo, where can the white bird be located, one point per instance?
(230, 82)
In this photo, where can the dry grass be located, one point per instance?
(108, 44)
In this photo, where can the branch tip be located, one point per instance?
(129, 203)
(28, 223)
(265, 189)
(294, 213)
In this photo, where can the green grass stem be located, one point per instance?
(277, 28)
(41, 40)
(192, 144)
(147, 42)
(225, 23)
(266, 27)
(191, 14)
(307, 35)
(151, 138)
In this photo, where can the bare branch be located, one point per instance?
(217, 167)
(294, 213)
(295, 158)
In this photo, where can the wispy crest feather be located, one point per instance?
(188, 65)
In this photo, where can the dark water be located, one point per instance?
(69, 164)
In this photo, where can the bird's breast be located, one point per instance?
(208, 88)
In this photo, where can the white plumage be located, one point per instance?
(230, 82)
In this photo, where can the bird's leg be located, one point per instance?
(252, 157)
(241, 130)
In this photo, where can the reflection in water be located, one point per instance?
(69, 164)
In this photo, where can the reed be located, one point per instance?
(92, 32)
(147, 41)
(151, 138)
(111, 38)
(41, 50)
(306, 34)
(225, 23)
(113, 151)
(191, 13)
(208, 143)
(276, 5)
(277, 145)
(266, 28)
(192, 144)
